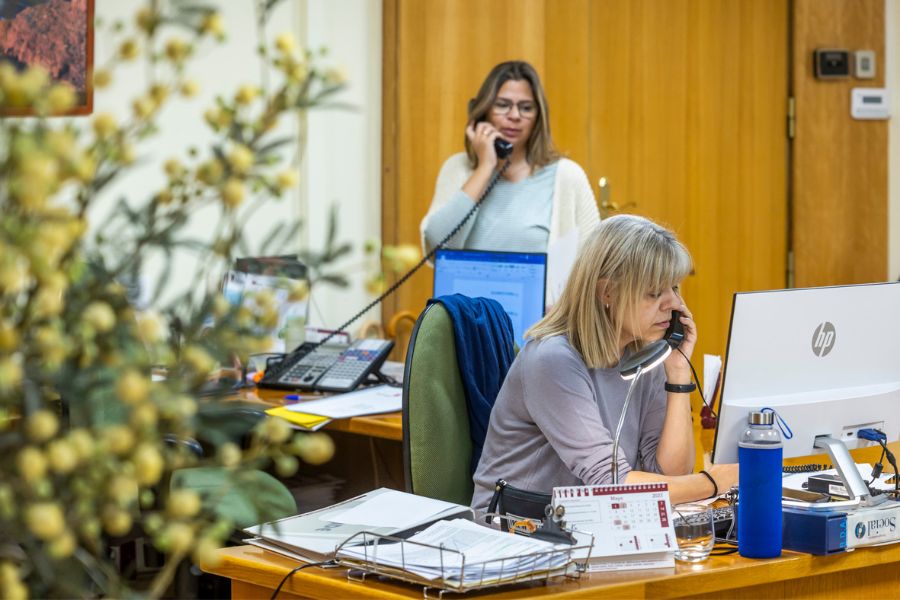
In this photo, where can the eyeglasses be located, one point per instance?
(527, 110)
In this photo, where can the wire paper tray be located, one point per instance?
(455, 573)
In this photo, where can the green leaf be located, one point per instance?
(275, 144)
(334, 279)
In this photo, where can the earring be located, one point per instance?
(607, 307)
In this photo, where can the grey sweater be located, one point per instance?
(554, 420)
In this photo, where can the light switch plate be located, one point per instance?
(864, 64)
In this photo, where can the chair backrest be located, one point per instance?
(437, 449)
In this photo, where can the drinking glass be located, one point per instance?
(694, 532)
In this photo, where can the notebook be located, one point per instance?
(517, 280)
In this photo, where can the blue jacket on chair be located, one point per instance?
(484, 352)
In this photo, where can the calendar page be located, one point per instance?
(631, 524)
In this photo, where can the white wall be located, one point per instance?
(892, 75)
(341, 161)
(343, 164)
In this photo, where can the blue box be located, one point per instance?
(814, 532)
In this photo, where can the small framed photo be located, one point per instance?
(57, 35)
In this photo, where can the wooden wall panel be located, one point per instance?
(442, 51)
(839, 165)
(566, 76)
(680, 104)
(689, 101)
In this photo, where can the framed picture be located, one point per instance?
(57, 35)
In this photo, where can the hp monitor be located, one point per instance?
(827, 360)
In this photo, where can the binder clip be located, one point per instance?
(552, 525)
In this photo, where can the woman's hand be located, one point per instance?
(482, 135)
(726, 476)
(678, 370)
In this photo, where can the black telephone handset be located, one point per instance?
(675, 333)
(502, 148)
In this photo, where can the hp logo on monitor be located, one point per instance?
(823, 339)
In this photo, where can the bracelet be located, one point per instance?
(712, 481)
(680, 388)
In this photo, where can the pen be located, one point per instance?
(293, 397)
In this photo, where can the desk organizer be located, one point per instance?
(456, 574)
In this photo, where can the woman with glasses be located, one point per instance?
(541, 203)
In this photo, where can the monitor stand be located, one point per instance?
(856, 486)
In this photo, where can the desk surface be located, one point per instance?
(868, 572)
(387, 426)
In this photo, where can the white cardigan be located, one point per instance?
(573, 215)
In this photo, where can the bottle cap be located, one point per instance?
(758, 417)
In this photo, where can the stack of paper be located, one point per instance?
(461, 552)
(315, 414)
(315, 536)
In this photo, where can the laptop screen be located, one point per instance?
(517, 280)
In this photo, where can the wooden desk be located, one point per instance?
(387, 426)
(368, 450)
(866, 573)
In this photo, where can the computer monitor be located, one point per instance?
(827, 360)
(517, 280)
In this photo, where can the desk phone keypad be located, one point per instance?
(333, 368)
(309, 368)
(349, 368)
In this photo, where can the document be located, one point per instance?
(315, 535)
(462, 552)
(394, 509)
(373, 400)
(561, 256)
(712, 369)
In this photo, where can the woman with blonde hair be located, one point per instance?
(553, 419)
(540, 200)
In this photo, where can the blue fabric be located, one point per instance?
(484, 352)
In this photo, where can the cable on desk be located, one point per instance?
(325, 563)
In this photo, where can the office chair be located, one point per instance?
(437, 449)
(437, 445)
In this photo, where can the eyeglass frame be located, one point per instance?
(500, 110)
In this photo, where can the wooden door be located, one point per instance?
(839, 166)
(688, 105)
(680, 104)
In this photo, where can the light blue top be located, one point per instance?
(514, 217)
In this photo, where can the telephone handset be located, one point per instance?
(328, 367)
(675, 333)
(502, 148)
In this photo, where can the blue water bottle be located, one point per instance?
(759, 488)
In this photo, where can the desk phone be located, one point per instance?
(327, 368)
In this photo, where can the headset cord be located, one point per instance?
(494, 179)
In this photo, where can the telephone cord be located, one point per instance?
(697, 381)
(494, 179)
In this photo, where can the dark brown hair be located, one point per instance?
(539, 148)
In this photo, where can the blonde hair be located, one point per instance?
(539, 149)
(626, 257)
